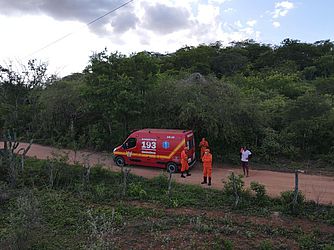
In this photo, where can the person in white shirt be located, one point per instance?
(245, 156)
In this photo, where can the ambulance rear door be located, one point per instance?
(190, 143)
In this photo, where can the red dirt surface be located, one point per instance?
(315, 187)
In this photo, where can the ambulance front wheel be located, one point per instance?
(119, 160)
(172, 167)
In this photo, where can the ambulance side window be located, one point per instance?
(130, 143)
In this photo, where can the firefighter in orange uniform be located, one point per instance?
(184, 162)
(203, 145)
(207, 167)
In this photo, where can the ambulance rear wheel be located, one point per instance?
(172, 167)
(119, 160)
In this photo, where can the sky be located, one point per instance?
(60, 32)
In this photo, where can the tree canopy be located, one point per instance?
(278, 100)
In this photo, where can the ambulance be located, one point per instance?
(156, 148)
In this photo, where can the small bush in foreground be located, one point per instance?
(266, 245)
(24, 220)
(291, 206)
(259, 189)
(234, 183)
(227, 244)
(136, 190)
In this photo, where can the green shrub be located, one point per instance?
(308, 241)
(266, 245)
(219, 244)
(239, 184)
(329, 247)
(100, 192)
(102, 230)
(288, 206)
(259, 189)
(160, 181)
(173, 202)
(136, 190)
(24, 220)
(227, 244)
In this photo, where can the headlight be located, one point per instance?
(114, 150)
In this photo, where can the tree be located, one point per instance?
(19, 92)
(303, 54)
(61, 110)
(229, 62)
(306, 116)
(325, 65)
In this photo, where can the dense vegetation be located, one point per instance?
(278, 100)
(55, 206)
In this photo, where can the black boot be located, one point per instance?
(182, 175)
(188, 174)
(209, 184)
(204, 180)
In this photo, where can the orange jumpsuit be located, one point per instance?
(207, 165)
(203, 145)
(184, 161)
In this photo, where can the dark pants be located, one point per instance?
(244, 165)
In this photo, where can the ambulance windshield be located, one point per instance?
(130, 143)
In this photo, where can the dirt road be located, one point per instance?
(315, 187)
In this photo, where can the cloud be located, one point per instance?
(251, 23)
(238, 31)
(229, 10)
(78, 10)
(123, 22)
(276, 24)
(83, 11)
(238, 24)
(161, 26)
(207, 14)
(285, 5)
(282, 9)
(164, 19)
(217, 2)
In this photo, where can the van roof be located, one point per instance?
(164, 131)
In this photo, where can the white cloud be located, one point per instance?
(229, 10)
(238, 24)
(27, 35)
(276, 24)
(279, 12)
(217, 1)
(207, 14)
(282, 9)
(170, 3)
(251, 23)
(285, 5)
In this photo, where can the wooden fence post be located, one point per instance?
(296, 191)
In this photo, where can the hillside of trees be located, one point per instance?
(276, 99)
